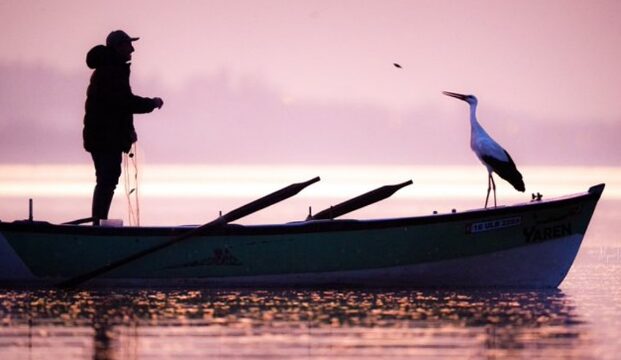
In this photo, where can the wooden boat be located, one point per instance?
(527, 245)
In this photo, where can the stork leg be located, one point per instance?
(489, 187)
(494, 188)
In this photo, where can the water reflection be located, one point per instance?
(288, 323)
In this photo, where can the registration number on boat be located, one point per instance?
(493, 224)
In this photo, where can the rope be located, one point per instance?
(130, 171)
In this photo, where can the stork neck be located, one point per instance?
(473, 116)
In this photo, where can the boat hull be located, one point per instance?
(528, 245)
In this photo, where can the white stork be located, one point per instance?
(490, 153)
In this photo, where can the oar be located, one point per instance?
(78, 221)
(233, 215)
(358, 202)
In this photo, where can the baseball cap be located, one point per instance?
(118, 37)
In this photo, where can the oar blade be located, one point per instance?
(359, 202)
(267, 200)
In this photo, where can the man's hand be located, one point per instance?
(158, 102)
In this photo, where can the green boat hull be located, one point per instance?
(527, 245)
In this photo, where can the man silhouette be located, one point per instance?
(108, 120)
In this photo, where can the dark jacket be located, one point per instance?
(110, 104)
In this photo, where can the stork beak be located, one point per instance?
(455, 95)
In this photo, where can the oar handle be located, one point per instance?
(358, 202)
(233, 215)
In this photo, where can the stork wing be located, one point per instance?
(506, 170)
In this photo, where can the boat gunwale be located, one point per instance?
(298, 227)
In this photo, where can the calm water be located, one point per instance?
(580, 320)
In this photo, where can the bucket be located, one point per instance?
(111, 222)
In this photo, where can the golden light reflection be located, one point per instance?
(194, 194)
(338, 182)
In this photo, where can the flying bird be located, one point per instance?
(490, 153)
(396, 65)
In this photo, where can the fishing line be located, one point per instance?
(130, 171)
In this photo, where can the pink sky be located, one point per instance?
(312, 82)
(540, 63)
